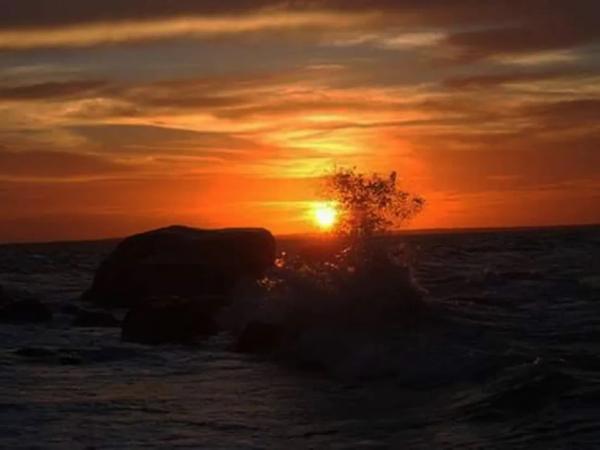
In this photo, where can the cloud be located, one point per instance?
(473, 29)
(120, 138)
(31, 13)
(105, 33)
(393, 41)
(40, 13)
(52, 90)
(527, 38)
(40, 164)
(538, 58)
(572, 114)
(494, 80)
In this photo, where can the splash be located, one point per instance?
(335, 313)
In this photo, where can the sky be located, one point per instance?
(119, 116)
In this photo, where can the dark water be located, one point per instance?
(512, 360)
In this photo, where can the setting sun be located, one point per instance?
(325, 215)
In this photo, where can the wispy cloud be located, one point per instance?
(51, 90)
(399, 41)
(105, 33)
(48, 165)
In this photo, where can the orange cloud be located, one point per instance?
(105, 33)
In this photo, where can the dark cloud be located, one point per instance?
(531, 37)
(180, 101)
(52, 90)
(173, 97)
(56, 164)
(461, 13)
(487, 81)
(34, 13)
(224, 92)
(566, 114)
(162, 140)
(45, 12)
(479, 28)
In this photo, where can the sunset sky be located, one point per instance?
(117, 116)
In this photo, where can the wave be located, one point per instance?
(340, 314)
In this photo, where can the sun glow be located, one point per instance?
(325, 215)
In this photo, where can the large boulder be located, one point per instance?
(172, 320)
(181, 261)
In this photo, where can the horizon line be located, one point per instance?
(417, 231)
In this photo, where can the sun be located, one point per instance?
(325, 215)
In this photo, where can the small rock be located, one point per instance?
(96, 319)
(22, 311)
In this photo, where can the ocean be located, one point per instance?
(508, 357)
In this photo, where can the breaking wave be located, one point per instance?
(341, 313)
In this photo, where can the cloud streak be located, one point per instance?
(40, 164)
(109, 33)
(51, 90)
(471, 30)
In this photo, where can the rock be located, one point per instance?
(260, 337)
(29, 310)
(181, 261)
(174, 320)
(95, 319)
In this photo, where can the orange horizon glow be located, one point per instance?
(230, 114)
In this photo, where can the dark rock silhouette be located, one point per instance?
(260, 337)
(23, 311)
(96, 319)
(177, 320)
(180, 261)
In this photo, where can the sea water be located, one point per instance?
(506, 356)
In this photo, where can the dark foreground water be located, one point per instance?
(512, 360)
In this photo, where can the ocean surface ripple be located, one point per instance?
(510, 359)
